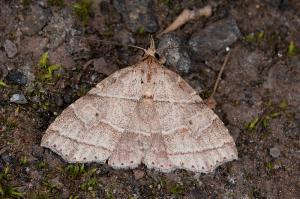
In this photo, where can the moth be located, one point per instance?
(144, 113)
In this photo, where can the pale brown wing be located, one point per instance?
(192, 136)
(90, 128)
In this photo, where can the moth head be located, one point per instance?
(151, 51)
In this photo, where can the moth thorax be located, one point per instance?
(148, 94)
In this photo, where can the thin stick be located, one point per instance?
(185, 16)
(219, 75)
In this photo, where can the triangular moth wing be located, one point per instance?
(90, 128)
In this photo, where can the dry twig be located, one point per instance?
(185, 16)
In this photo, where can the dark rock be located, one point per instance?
(176, 56)
(18, 99)
(10, 48)
(59, 101)
(8, 158)
(197, 194)
(67, 98)
(213, 38)
(137, 14)
(37, 151)
(16, 77)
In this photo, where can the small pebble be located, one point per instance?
(169, 47)
(275, 152)
(219, 35)
(16, 77)
(18, 99)
(138, 174)
(37, 151)
(10, 48)
(59, 101)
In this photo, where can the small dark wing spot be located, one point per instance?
(156, 55)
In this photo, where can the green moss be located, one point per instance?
(176, 190)
(3, 84)
(74, 197)
(253, 124)
(141, 30)
(75, 170)
(10, 192)
(56, 2)
(43, 61)
(4, 175)
(82, 10)
(50, 187)
(23, 161)
(109, 195)
(283, 105)
(25, 2)
(255, 37)
(42, 165)
(89, 185)
(167, 3)
(10, 123)
(7, 191)
(292, 49)
(269, 166)
(47, 70)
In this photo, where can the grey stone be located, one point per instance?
(18, 99)
(59, 101)
(37, 152)
(7, 158)
(16, 77)
(275, 152)
(196, 193)
(176, 56)
(213, 38)
(10, 48)
(137, 14)
(35, 20)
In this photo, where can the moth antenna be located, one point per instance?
(132, 46)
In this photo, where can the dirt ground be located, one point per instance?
(258, 98)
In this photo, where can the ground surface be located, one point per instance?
(258, 97)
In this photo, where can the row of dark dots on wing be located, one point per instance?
(193, 166)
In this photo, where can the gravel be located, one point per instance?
(16, 77)
(18, 99)
(275, 152)
(170, 47)
(10, 48)
(213, 38)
